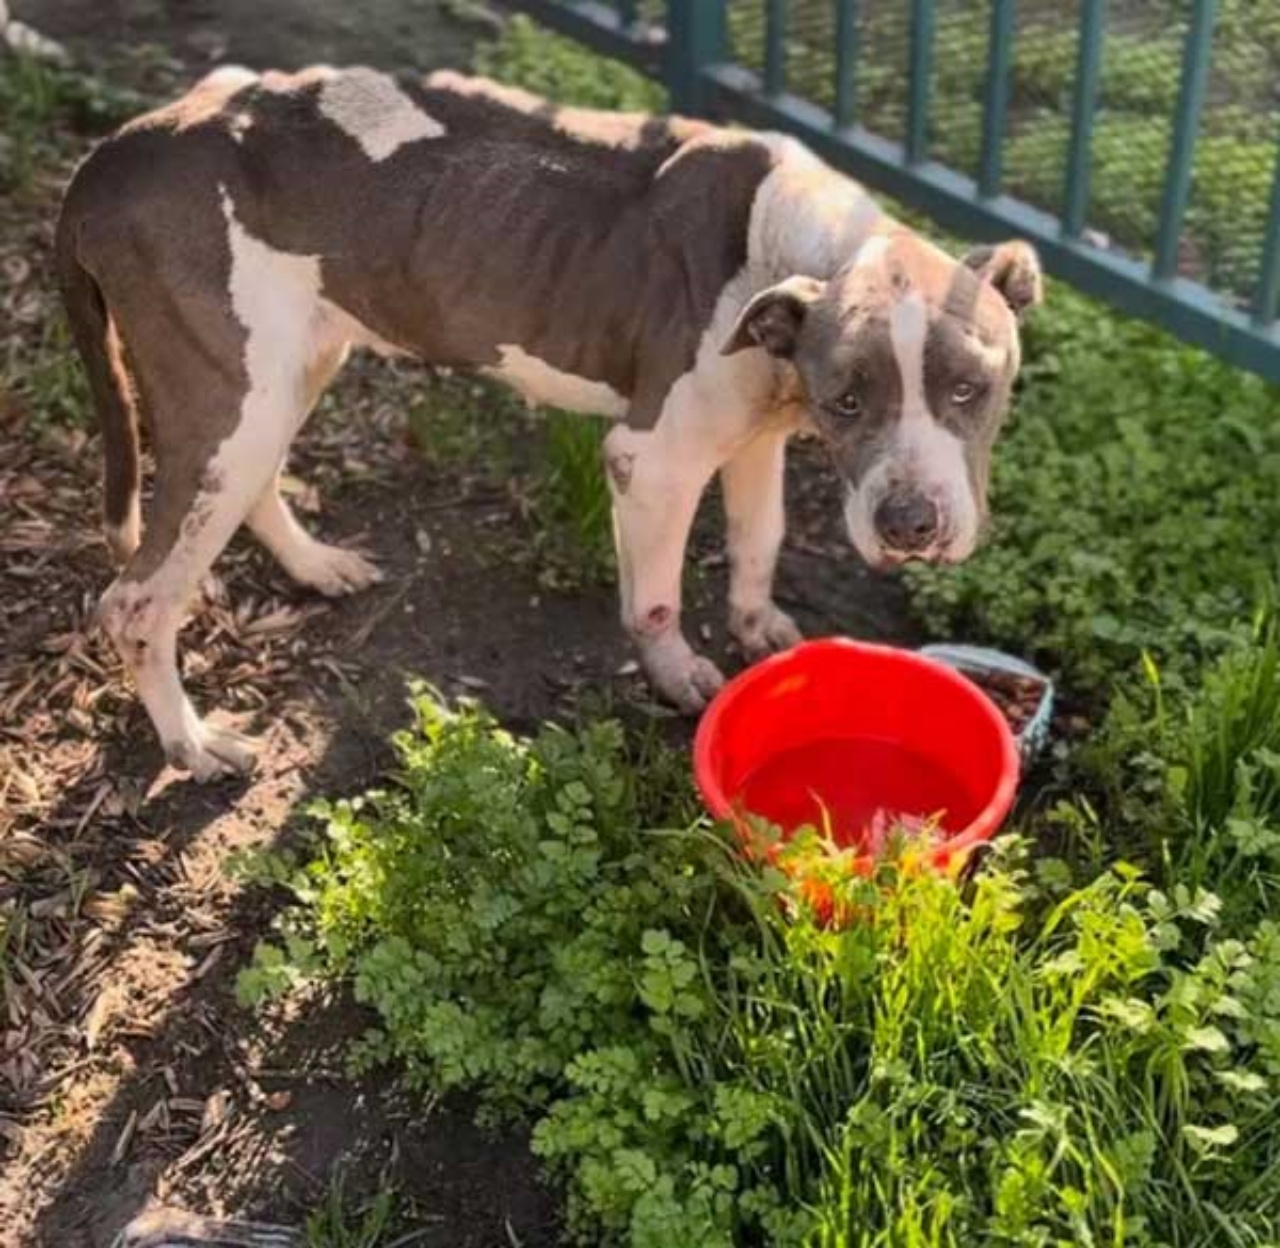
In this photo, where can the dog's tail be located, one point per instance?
(113, 398)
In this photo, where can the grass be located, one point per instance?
(574, 502)
(42, 108)
(43, 371)
(553, 460)
(341, 1221)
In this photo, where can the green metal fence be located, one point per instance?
(1136, 142)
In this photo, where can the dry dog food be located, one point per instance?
(1018, 697)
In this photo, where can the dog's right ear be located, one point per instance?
(772, 319)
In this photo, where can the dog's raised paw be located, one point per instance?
(764, 630)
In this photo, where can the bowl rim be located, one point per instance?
(980, 829)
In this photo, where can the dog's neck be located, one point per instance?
(807, 219)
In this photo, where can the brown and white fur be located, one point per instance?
(710, 291)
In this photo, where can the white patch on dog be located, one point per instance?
(752, 482)
(623, 131)
(332, 325)
(229, 78)
(721, 140)
(373, 110)
(872, 252)
(539, 382)
(274, 296)
(927, 454)
(330, 570)
(806, 218)
(908, 326)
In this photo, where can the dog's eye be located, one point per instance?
(848, 404)
(963, 392)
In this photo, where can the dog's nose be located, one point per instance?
(907, 521)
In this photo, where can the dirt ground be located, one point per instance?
(127, 1072)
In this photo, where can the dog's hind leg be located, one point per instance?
(329, 569)
(193, 515)
(226, 389)
(144, 607)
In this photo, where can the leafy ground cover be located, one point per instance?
(1055, 1056)
(1076, 1048)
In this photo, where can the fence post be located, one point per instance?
(1265, 300)
(995, 98)
(846, 89)
(921, 60)
(1085, 105)
(697, 37)
(1186, 126)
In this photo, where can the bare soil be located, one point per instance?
(127, 1072)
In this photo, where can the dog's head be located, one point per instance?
(907, 358)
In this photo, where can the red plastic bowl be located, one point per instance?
(839, 728)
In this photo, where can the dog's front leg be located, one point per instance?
(753, 503)
(656, 479)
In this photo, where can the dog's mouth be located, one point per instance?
(886, 558)
(953, 544)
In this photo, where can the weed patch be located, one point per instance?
(42, 108)
(574, 502)
(1035, 1062)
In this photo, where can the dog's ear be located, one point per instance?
(772, 319)
(1013, 269)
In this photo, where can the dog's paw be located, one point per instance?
(212, 753)
(762, 631)
(332, 571)
(679, 674)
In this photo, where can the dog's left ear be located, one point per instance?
(1013, 269)
(772, 319)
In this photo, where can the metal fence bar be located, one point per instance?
(918, 80)
(775, 46)
(697, 39)
(1184, 307)
(846, 93)
(1084, 106)
(1266, 304)
(1186, 126)
(995, 100)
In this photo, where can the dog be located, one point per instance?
(710, 291)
